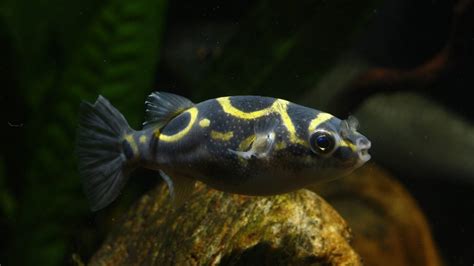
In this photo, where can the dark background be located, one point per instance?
(53, 54)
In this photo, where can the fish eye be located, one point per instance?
(322, 142)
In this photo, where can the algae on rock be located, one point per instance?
(216, 228)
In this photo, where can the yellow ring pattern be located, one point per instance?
(193, 112)
(229, 109)
(320, 118)
(279, 106)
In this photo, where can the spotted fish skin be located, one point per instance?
(250, 145)
(197, 144)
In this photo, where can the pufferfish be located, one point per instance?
(250, 145)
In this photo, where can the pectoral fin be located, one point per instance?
(265, 135)
(266, 125)
(179, 187)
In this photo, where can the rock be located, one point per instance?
(388, 226)
(422, 125)
(215, 228)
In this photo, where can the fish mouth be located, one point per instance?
(364, 155)
(363, 151)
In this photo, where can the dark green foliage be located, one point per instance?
(69, 52)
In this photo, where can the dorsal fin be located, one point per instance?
(161, 107)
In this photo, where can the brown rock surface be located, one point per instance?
(215, 228)
(388, 226)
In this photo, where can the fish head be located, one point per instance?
(338, 148)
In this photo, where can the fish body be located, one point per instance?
(248, 145)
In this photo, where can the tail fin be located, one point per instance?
(103, 166)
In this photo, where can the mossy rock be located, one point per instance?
(215, 228)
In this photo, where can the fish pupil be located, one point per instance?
(323, 142)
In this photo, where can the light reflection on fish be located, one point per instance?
(248, 145)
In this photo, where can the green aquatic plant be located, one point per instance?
(112, 49)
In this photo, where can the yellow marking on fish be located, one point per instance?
(156, 133)
(229, 109)
(224, 136)
(131, 141)
(348, 144)
(279, 106)
(280, 145)
(204, 122)
(142, 139)
(320, 118)
(193, 112)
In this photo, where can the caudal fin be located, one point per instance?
(103, 165)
